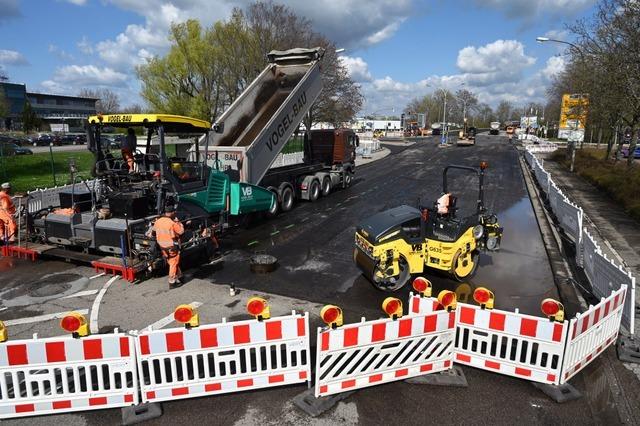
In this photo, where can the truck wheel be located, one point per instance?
(314, 190)
(275, 208)
(287, 199)
(326, 186)
(348, 178)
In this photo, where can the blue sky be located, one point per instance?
(396, 49)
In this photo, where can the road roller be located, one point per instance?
(392, 245)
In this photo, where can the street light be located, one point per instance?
(445, 133)
(579, 50)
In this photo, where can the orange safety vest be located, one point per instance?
(168, 232)
(6, 203)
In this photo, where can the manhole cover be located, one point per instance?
(53, 284)
(262, 263)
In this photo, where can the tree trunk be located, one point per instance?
(600, 137)
(632, 148)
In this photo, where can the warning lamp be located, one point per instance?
(186, 315)
(392, 307)
(484, 165)
(258, 307)
(447, 299)
(332, 316)
(422, 286)
(3, 332)
(552, 309)
(484, 297)
(76, 324)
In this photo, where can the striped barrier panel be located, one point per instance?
(510, 343)
(370, 353)
(555, 196)
(605, 276)
(543, 179)
(221, 358)
(63, 374)
(592, 332)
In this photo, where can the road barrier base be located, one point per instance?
(453, 377)
(141, 413)
(314, 407)
(628, 349)
(560, 394)
(19, 252)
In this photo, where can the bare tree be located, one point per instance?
(108, 102)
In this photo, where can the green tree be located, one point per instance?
(4, 105)
(30, 119)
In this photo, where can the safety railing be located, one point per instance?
(603, 274)
(39, 199)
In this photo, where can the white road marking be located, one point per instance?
(95, 308)
(40, 318)
(81, 293)
(97, 276)
(2, 309)
(169, 319)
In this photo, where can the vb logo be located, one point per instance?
(247, 191)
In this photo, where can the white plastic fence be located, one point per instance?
(368, 147)
(370, 353)
(63, 374)
(221, 358)
(592, 332)
(603, 274)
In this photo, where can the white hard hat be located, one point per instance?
(6, 185)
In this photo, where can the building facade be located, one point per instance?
(68, 111)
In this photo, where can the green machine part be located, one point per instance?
(247, 198)
(244, 198)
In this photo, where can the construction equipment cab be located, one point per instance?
(392, 245)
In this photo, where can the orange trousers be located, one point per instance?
(127, 155)
(8, 227)
(173, 259)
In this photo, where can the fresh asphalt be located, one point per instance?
(314, 245)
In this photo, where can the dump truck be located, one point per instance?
(248, 137)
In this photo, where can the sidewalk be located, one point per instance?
(374, 156)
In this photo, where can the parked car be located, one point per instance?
(80, 139)
(636, 152)
(67, 139)
(11, 149)
(42, 139)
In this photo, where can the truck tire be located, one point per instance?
(314, 190)
(326, 186)
(286, 199)
(348, 178)
(275, 209)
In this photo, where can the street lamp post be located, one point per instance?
(577, 49)
(444, 138)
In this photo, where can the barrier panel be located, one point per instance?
(43, 198)
(570, 219)
(370, 353)
(63, 374)
(510, 343)
(605, 276)
(592, 332)
(543, 178)
(221, 358)
(555, 196)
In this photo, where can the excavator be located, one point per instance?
(394, 244)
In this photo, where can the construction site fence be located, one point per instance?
(603, 273)
(368, 147)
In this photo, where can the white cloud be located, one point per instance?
(11, 57)
(358, 69)
(529, 10)
(78, 2)
(494, 72)
(60, 53)
(85, 46)
(70, 78)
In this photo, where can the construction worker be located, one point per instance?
(168, 231)
(8, 225)
(129, 146)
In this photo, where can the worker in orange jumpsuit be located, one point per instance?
(8, 225)
(168, 231)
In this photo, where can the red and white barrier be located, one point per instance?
(592, 332)
(63, 374)
(374, 352)
(510, 343)
(221, 358)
